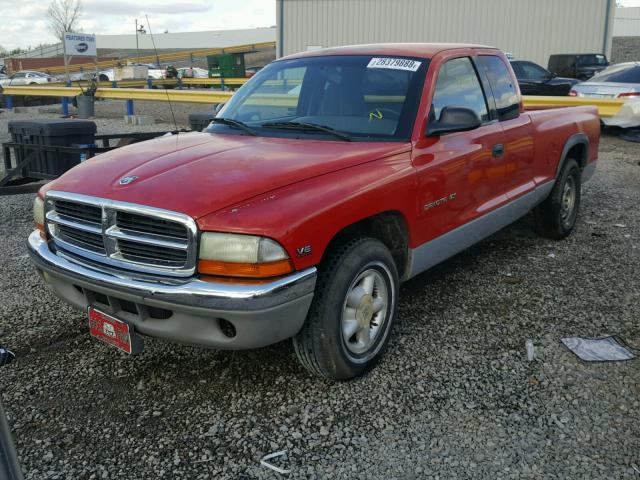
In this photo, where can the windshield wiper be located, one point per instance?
(234, 123)
(308, 126)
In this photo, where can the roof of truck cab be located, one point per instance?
(424, 50)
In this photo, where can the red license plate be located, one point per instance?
(110, 330)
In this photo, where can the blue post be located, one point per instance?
(129, 107)
(149, 83)
(114, 84)
(65, 103)
(179, 83)
(221, 82)
(8, 100)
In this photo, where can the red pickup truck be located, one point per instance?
(326, 180)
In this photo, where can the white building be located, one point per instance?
(627, 22)
(169, 41)
(530, 29)
(188, 40)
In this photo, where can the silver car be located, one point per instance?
(26, 77)
(617, 81)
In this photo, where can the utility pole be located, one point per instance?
(137, 50)
(65, 58)
(139, 30)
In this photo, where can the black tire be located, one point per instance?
(556, 216)
(320, 345)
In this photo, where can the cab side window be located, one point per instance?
(458, 86)
(502, 86)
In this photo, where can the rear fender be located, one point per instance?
(575, 139)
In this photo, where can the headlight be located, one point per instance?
(38, 213)
(242, 256)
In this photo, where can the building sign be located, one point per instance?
(80, 44)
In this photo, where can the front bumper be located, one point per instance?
(190, 311)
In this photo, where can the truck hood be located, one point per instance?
(200, 173)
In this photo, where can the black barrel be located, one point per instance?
(52, 132)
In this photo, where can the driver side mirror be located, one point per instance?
(454, 119)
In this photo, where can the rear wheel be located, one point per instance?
(556, 216)
(353, 310)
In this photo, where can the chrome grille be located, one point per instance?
(88, 240)
(124, 235)
(138, 252)
(140, 223)
(79, 211)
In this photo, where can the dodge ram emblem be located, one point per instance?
(127, 180)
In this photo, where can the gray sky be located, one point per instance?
(23, 23)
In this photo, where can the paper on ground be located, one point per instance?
(598, 349)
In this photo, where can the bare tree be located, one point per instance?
(63, 17)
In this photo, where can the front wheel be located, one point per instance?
(556, 216)
(352, 313)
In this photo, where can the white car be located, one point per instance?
(153, 71)
(156, 73)
(617, 81)
(26, 77)
(78, 76)
(194, 72)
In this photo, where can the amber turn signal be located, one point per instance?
(41, 229)
(245, 270)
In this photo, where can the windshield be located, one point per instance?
(366, 98)
(592, 60)
(619, 73)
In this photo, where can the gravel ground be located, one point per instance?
(453, 398)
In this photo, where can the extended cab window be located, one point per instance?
(361, 97)
(458, 86)
(502, 86)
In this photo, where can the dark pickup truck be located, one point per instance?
(582, 66)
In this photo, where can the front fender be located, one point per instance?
(305, 216)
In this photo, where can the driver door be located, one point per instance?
(461, 176)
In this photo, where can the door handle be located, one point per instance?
(497, 150)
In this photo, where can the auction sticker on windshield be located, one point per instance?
(394, 64)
